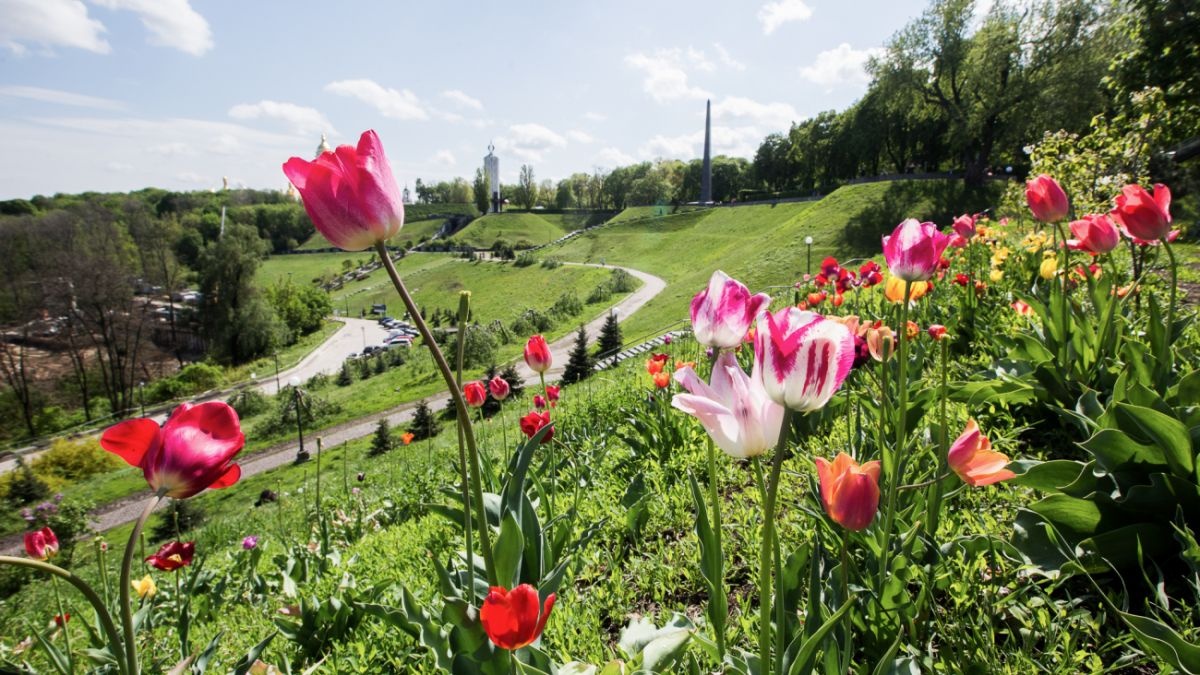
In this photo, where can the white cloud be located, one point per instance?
(841, 65)
(530, 141)
(580, 136)
(60, 97)
(732, 141)
(119, 166)
(771, 115)
(170, 149)
(699, 61)
(172, 23)
(443, 158)
(401, 105)
(300, 119)
(665, 77)
(462, 99)
(594, 117)
(613, 157)
(774, 14)
(727, 60)
(50, 23)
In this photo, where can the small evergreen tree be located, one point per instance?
(383, 441)
(579, 365)
(380, 366)
(610, 336)
(515, 385)
(345, 378)
(25, 487)
(424, 425)
(364, 368)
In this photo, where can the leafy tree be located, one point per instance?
(563, 196)
(610, 335)
(302, 308)
(479, 187)
(579, 364)
(235, 319)
(424, 424)
(527, 188)
(382, 442)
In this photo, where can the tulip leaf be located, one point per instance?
(1048, 476)
(201, 661)
(1115, 451)
(508, 551)
(712, 562)
(1165, 643)
(1166, 432)
(57, 658)
(808, 648)
(247, 662)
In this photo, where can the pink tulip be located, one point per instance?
(192, 451)
(734, 409)
(350, 194)
(849, 492)
(42, 544)
(802, 357)
(499, 388)
(914, 249)
(1142, 216)
(723, 312)
(1095, 234)
(964, 226)
(537, 354)
(972, 458)
(1046, 199)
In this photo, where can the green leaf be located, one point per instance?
(1168, 433)
(1048, 476)
(1164, 642)
(201, 662)
(1115, 451)
(508, 550)
(244, 665)
(808, 649)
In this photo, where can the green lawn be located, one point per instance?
(518, 229)
(413, 230)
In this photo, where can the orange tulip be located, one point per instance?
(662, 380)
(849, 492)
(654, 366)
(893, 289)
(972, 458)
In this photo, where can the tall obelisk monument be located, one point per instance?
(706, 173)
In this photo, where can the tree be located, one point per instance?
(345, 377)
(382, 442)
(579, 364)
(527, 188)
(302, 308)
(235, 319)
(424, 424)
(610, 336)
(483, 195)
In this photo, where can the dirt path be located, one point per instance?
(128, 509)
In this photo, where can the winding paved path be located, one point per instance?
(128, 509)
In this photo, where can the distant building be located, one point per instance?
(322, 147)
(491, 169)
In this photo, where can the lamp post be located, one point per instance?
(276, 370)
(301, 454)
(142, 396)
(808, 242)
(364, 334)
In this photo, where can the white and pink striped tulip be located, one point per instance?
(913, 250)
(723, 312)
(734, 409)
(803, 357)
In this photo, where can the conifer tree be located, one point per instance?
(424, 425)
(579, 365)
(383, 441)
(345, 378)
(610, 336)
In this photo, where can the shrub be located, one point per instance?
(181, 515)
(23, 486)
(382, 442)
(75, 460)
(551, 263)
(345, 378)
(249, 402)
(566, 306)
(313, 410)
(318, 381)
(579, 365)
(424, 424)
(526, 259)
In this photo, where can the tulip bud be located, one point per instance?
(499, 388)
(1046, 199)
(722, 313)
(914, 250)
(849, 492)
(537, 354)
(937, 331)
(475, 393)
(972, 458)
(514, 619)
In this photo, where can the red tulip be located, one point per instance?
(1095, 234)
(914, 250)
(405, 438)
(350, 194)
(499, 388)
(849, 492)
(803, 357)
(192, 451)
(172, 555)
(539, 401)
(537, 354)
(972, 458)
(654, 366)
(1021, 307)
(722, 313)
(514, 619)
(662, 380)
(552, 394)
(1142, 216)
(61, 620)
(1046, 199)
(534, 421)
(475, 393)
(937, 331)
(42, 544)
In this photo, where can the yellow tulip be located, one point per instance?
(996, 275)
(1048, 268)
(893, 290)
(145, 587)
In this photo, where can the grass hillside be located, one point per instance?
(413, 230)
(523, 229)
(758, 244)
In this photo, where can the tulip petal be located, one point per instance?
(228, 478)
(131, 439)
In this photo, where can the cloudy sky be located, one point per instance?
(114, 95)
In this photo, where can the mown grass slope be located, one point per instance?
(523, 229)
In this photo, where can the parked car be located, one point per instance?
(370, 349)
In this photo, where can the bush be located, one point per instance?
(345, 378)
(526, 259)
(22, 486)
(75, 460)
(249, 402)
(181, 515)
(566, 306)
(382, 442)
(318, 381)
(424, 424)
(313, 410)
(193, 379)
(551, 263)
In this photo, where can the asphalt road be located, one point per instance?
(328, 358)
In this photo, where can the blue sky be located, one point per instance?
(114, 95)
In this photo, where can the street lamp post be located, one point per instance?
(276, 370)
(808, 242)
(364, 334)
(142, 396)
(301, 454)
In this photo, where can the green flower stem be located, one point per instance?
(893, 478)
(719, 596)
(63, 617)
(460, 406)
(550, 451)
(769, 491)
(131, 656)
(106, 620)
(934, 501)
(1063, 273)
(1171, 306)
(101, 560)
(464, 310)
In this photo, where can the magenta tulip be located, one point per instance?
(42, 544)
(1046, 199)
(1142, 216)
(350, 194)
(723, 312)
(803, 357)
(499, 388)
(537, 354)
(964, 226)
(735, 409)
(913, 250)
(194, 450)
(1095, 233)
